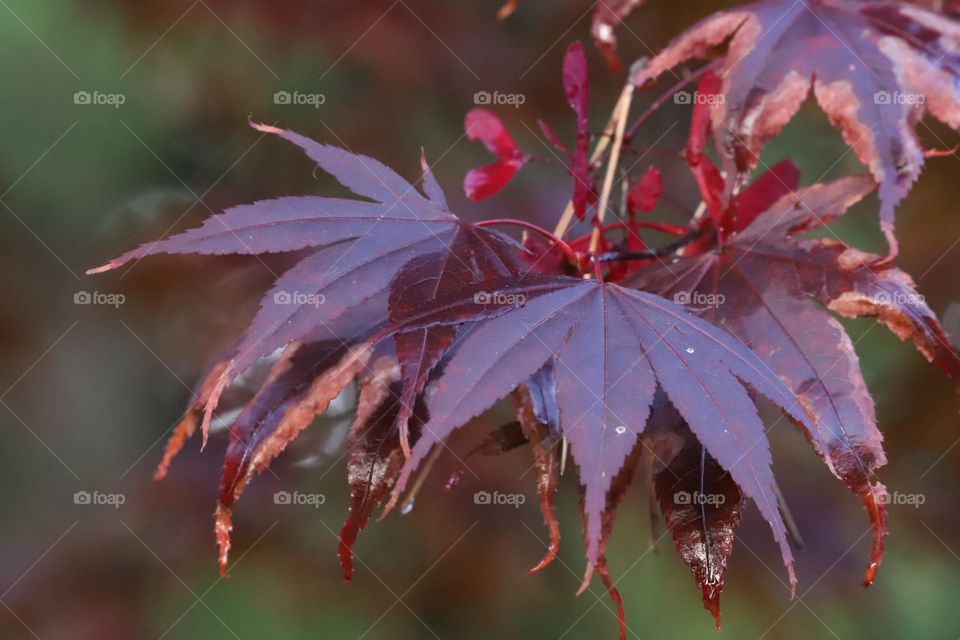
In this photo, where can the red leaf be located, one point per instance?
(484, 182)
(340, 275)
(780, 180)
(709, 181)
(618, 489)
(551, 136)
(644, 194)
(439, 322)
(577, 88)
(868, 286)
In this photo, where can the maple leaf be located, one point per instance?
(326, 305)
(486, 127)
(484, 182)
(773, 293)
(874, 67)
(374, 453)
(362, 245)
(701, 503)
(471, 259)
(615, 495)
(187, 426)
(610, 348)
(577, 89)
(437, 320)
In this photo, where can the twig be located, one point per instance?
(659, 102)
(659, 252)
(620, 113)
(602, 143)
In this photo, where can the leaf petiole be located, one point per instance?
(568, 252)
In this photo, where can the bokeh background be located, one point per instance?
(89, 391)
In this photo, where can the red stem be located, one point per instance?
(567, 250)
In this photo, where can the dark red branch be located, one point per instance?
(659, 252)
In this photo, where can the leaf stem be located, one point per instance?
(563, 246)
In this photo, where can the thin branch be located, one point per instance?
(659, 102)
(659, 252)
(620, 114)
(602, 143)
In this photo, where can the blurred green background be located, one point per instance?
(89, 391)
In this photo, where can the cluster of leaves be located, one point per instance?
(629, 356)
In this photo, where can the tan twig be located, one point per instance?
(604, 141)
(620, 115)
